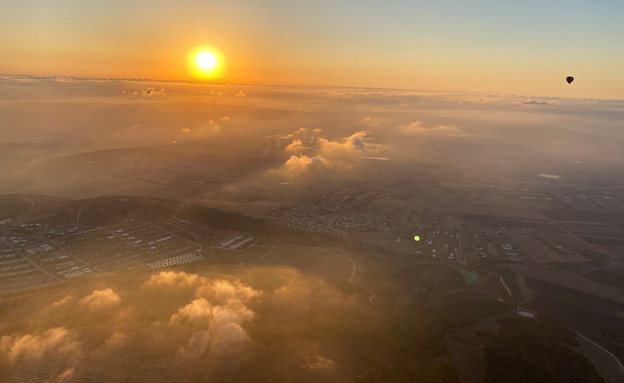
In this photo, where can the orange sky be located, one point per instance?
(524, 48)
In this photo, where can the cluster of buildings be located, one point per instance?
(334, 220)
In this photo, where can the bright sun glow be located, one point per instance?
(205, 63)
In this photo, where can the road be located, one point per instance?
(342, 255)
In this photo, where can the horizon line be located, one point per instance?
(199, 82)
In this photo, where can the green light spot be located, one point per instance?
(416, 238)
(470, 277)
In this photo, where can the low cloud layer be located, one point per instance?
(417, 128)
(150, 92)
(332, 133)
(193, 323)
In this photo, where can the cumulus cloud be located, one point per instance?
(220, 319)
(115, 340)
(196, 345)
(348, 146)
(233, 312)
(100, 299)
(150, 92)
(296, 164)
(61, 302)
(325, 158)
(57, 341)
(296, 146)
(193, 338)
(222, 291)
(173, 279)
(197, 313)
(357, 141)
(228, 335)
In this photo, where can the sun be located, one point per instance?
(205, 63)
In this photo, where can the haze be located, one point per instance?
(311, 192)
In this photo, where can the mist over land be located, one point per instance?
(129, 130)
(163, 231)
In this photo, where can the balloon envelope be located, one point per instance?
(569, 79)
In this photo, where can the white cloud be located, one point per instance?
(99, 299)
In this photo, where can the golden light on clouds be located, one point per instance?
(205, 63)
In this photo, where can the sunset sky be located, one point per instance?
(516, 47)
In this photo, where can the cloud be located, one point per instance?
(61, 302)
(204, 129)
(296, 164)
(354, 144)
(417, 127)
(57, 341)
(223, 291)
(221, 317)
(116, 340)
(150, 92)
(100, 299)
(297, 146)
(197, 313)
(414, 127)
(325, 158)
(319, 363)
(196, 345)
(66, 375)
(210, 328)
(172, 279)
(233, 312)
(535, 102)
(228, 335)
(303, 293)
(357, 141)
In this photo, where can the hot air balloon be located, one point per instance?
(569, 79)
